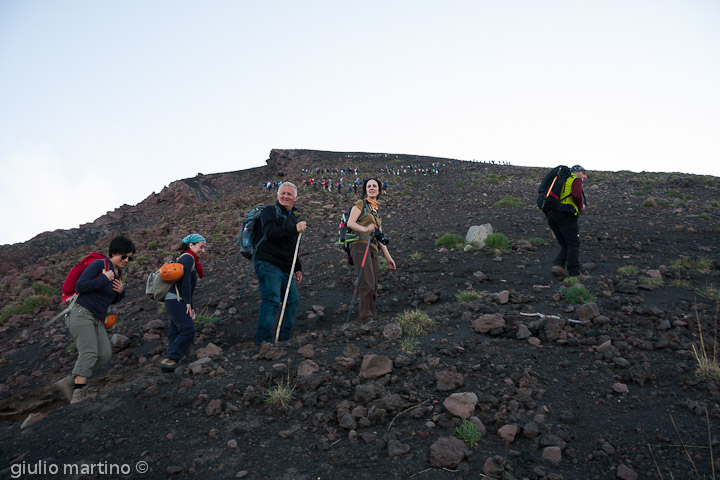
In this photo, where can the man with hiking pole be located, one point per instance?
(277, 265)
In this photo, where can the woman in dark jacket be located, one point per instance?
(98, 287)
(179, 302)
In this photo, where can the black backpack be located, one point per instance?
(550, 189)
(250, 238)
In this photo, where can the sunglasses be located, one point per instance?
(127, 257)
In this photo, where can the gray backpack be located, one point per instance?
(156, 288)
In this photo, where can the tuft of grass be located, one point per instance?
(28, 306)
(468, 296)
(707, 360)
(450, 240)
(382, 265)
(650, 203)
(416, 256)
(415, 322)
(680, 283)
(700, 264)
(710, 292)
(153, 245)
(538, 241)
(577, 294)
(42, 289)
(655, 282)
(704, 216)
(70, 348)
(205, 319)
(627, 270)
(280, 395)
(410, 345)
(468, 432)
(497, 241)
(508, 201)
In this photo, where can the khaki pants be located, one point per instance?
(91, 340)
(367, 290)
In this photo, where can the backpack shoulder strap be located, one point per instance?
(191, 258)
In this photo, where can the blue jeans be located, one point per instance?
(181, 333)
(273, 283)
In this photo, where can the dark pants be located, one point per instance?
(273, 284)
(181, 333)
(367, 290)
(565, 228)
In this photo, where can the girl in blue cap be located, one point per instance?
(179, 302)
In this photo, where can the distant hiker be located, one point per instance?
(181, 331)
(273, 262)
(365, 220)
(564, 226)
(98, 287)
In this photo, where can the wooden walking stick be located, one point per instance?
(287, 290)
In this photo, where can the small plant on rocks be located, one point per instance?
(508, 201)
(468, 296)
(280, 395)
(655, 282)
(468, 432)
(410, 345)
(577, 294)
(450, 240)
(415, 322)
(497, 241)
(416, 256)
(627, 270)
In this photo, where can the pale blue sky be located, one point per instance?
(102, 103)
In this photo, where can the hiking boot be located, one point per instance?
(559, 273)
(168, 364)
(65, 386)
(80, 394)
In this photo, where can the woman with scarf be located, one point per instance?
(365, 220)
(179, 302)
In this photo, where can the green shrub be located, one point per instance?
(47, 290)
(710, 292)
(576, 294)
(410, 345)
(704, 216)
(153, 245)
(497, 241)
(680, 283)
(655, 282)
(539, 241)
(415, 322)
(468, 296)
(649, 203)
(700, 264)
(382, 265)
(468, 432)
(28, 306)
(450, 240)
(204, 319)
(508, 202)
(281, 395)
(627, 270)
